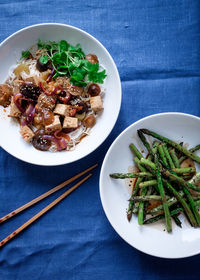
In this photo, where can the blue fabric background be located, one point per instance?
(156, 46)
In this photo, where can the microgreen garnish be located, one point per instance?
(25, 54)
(70, 60)
(44, 59)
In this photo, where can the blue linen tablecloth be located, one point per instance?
(156, 47)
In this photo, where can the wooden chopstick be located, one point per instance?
(43, 211)
(44, 195)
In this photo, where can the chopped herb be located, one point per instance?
(44, 59)
(25, 54)
(70, 60)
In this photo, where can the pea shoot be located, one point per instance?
(68, 60)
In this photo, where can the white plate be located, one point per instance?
(150, 239)
(10, 52)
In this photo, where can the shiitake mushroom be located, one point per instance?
(41, 65)
(64, 96)
(39, 143)
(94, 89)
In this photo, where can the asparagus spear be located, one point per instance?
(131, 175)
(162, 154)
(135, 208)
(170, 202)
(173, 144)
(141, 207)
(159, 208)
(131, 207)
(192, 150)
(149, 163)
(184, 170)
(135, 151)
(169, 159)
(160, 217)
(148, 183)
(175, 178)
(148, 197)
(138, 163)
(192, 204)
(131, 202)
(159, 180)
(144, 141)
(182, 201)
(162, 194)
(174, 158)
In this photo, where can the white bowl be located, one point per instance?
(150, 239)
(10, 52)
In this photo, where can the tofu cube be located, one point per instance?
(61, 109)
(70, 122)
(56, 125)
(26, 133)
(96, 103)
(14, 111)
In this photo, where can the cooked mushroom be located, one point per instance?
(92, 58)
(72, 89)
(94, 90)
(39, 143)
(45, 101)
(89, 121)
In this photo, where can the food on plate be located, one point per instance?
(54, 92)
(165, 182)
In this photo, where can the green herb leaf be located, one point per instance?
(90, 67)
(40, 44)
(97, 77)
(70, 60)
(56, 58)
(79, 83)
(77, 76)
(25, 54)
(63, 46)
(44, 59)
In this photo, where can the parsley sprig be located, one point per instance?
(70, 60)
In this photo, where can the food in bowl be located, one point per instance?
(165, 182)
(54, 92)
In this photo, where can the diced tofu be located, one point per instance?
(56, 125)
(14, 111)
(5, 94)
(70, 122)
(61, 109)
(96, 103)
(26, 133)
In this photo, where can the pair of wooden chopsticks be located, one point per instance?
(48, 207)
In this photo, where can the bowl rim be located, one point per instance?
(102, 172)
(117, 76)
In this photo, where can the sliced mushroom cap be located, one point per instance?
(92, 58)
(39, 143)
(94, 89)
(89, 121)
(45, 101)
